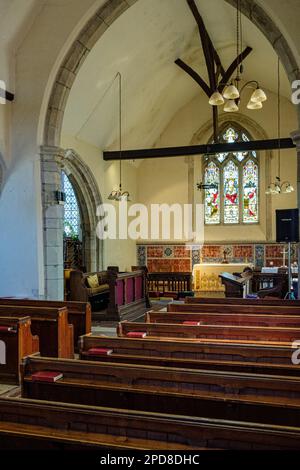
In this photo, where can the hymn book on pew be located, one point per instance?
(100, 351)
(136, 334)
(9, 329)
(46, 376)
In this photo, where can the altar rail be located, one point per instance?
(164, 284)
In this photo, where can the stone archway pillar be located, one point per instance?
(296, 139)
(53, 218)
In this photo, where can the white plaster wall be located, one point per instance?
(120, 253)
(21, 234)
(166, 180)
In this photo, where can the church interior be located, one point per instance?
(149, 214)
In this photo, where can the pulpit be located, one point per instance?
(235, 286)
(206, 276)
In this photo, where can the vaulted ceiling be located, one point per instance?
(143, 44)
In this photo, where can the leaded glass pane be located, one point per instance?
(71, 214)
(230, 135)
(240, 155)
(231, 193)
(250, 188)
(212, 196)
(238, 178)
(221, 157)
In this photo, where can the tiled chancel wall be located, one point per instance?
(179, 258)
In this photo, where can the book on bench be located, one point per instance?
(99, 351)
(8, 328)
(46, 376)
(192, 323)
(136, 334)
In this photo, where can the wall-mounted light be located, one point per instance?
(60, 197)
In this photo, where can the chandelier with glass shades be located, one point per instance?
(228, 94)
(118, 194)
(278, 187)
(231, 96)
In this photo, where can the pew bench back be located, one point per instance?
(217, 394)
(50, 325)
(124, 429)
(79, 313)
(220, 332)
(208, 350)
(233, 308)
(224, 319)
(16, 342)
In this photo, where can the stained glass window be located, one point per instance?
(231, 193)
(212, 195)
(233, 177)
(250, 188)
(72, 214)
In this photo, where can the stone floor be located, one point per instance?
(108, 328)
(9, 390)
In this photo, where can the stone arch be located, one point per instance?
(97, 26)
(89, 198)
(51, 125)
(204, 134)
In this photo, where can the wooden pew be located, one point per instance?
(213, 394)
(50, 325)
(224, 319)
(210, 350)
(232, 308)
(79, 313)
(250, 302)
(16, 342)
(153, 356)
(220, 332)
(77, 427)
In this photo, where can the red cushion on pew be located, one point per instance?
(192, 323)
(136, 334)
(99, 351)
(7, 329)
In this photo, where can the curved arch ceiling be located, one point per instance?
(143, 44)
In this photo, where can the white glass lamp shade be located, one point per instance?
(124, 197)
(289, 188)
(118, 195)
(258, 96)
(253, 105)
(113, 195)
(231, 92)
(216, 99)
(231, 106)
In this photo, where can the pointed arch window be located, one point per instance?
(234, 176)
(72, 213)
